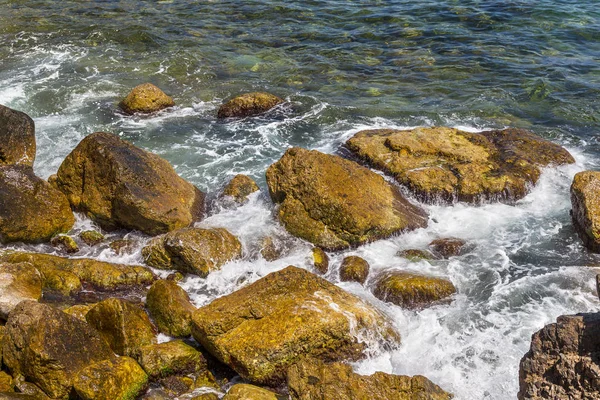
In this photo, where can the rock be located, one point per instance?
(314, 380)
(598, 285)
(447, 247)
(1, 342)
(30, 209)
(172, 358)
(177, 385)
(65, 244)
(355, 269)
(79, 311)
(29, 389)
(49, 347)
(320, 260)
(248, 105)
(585, 201)
(335, 203)
(265, 327)
(146, 98)
(243, 391)
(119, 185)
(170, 308)
(240, 187)
(123, 246)
(91, 237)
(17, 137)
(6, 381)
(121, 379)
(18, 282)
(206, 396)
(415, 255)
(124, 325)
(446, 164)
(411, 290)
(193, 250)
(562, 362)
(271, 249)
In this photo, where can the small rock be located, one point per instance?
(176, 277)
(243, 391)
(240, 187)
(411, 290)
(18, 282)
(270, 249)
(91, 237)
(6, 382)
(120, 379)
(354, 269)
(123, 246)
(17, 137)
(172, 358)
(415, 255)
(146, 98)
(65, 244)
(585, 213)
(320, 260)
(170, 308)
(248, 105)
(447, 247)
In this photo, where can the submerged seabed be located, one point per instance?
(343, 66)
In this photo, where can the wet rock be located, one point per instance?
(243, 391)
(446, 164)
(79, 311)
(91, 237)
(206, 396)
(30, 209)
(411, 290)
(193, 250)
(170, 308)
(240, 187)
(415, 255)
(49, 347)
(354, 269)
(271, 249)
(447, 247)
(178, 385)
(320, 260)
(265, 327)
(119, 185)
(585, 213)
(335, 203)
(119, 379)
(562, 362)
(248, 105)
(146, 98)
(17, 137)
(123, 246)
(124, 325)
(172, 358)
(64, 244)
(18, 282)
(315, 380)
(6, 382)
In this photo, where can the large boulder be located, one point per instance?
(446, 164)
(248, 105)
(336, 203)
(18, 282)
(170, 308)
(17, 137)
(31, 210)
(410, 290)
(315, 380)
(145, 98)
(119, 185)
(120, 379)
(562, 362)
(585, 202)
(172, 358)
(49, 347)
(265, 327)
(193, 250)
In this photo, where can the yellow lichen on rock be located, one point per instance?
(146, 98)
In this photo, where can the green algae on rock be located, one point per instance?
(320, 260)
(170, 308)
(17, 137)
(18, 282)
(240, 187)
(335, 203)
(170, 358)
(115, 379)
(65, 244)
(354, 269)
(410, 290)
(265, 327)
(145, 98)
(91, 237)
(119, 185)
(446, 164)
(585, 203)
(248, 105)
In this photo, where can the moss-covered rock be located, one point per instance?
(146, 98)
(335, 203)
(248, 105)
(240, 187)
(79, 311)
(585, 213)
(411, 290)
(312, 379)
(415, 255)
(6, 382)
(30, 209)
(91, 237)
(320, 260)
(178, 385)
(64, 244)
(119, 185)
(119, 379)
(446, 164)
(49, 347)
(18, 282)
(170, 308)
(355, 269)
(243, 391)
(17, 137)
(447, 247)
(193, 250)
(125, 326)
(265, 327)
(171, 358)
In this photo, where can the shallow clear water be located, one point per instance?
(343, 66)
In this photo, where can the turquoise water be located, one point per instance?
(343, 66)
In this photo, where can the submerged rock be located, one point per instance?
(411, 290)
(120, 379)
(91, 237)
(355, 269)
(240, 187)
(320, 260)
(119, 185)
(243, 391)
(312, 379)
(335, 203)
(18, 282)
(17, 137)
(65, 244)
(123, 246)
(562, 362)
(585, 201)
(267, 326)
(271, 249)
(31, 210)
(146, 98)
(415, 255)
(446, 164)
(248, 105)
(193, 250)
(170, 308)
(447, 247)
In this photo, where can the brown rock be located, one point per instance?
(248, 105)
(91, 237)
(146, 98)
(243, 391)
(18, 282)
(320, 260)
(411, 290)
(416, 255)
(585, 200)
(123, 246)
(271, 249)
(355, 269)
(6, 382)
(172, 358)
(17, 137)
(64, 244)
(170, 308)
(119, 379)
(447, 247)
(240, 187)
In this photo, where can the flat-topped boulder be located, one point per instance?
(145, 99)
(267, 326)
(447, 164)
(335, 203)
(411, 290)
(31, 210)
(119, 185)
(17, 137)
(248, 105)
(585, 202)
